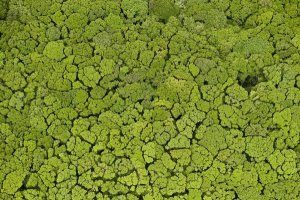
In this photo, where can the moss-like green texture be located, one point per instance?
(3, 9)
(164, 8)
(153, 100)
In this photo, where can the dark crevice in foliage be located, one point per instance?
(248, 158)
(251, 80)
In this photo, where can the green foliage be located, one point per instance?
(164, 8)
(3, 9)
(149, 99)
(13, 181)
(254, 45)
(204, 12)
(76, 20)
(259, 147)
(54, 50)
(135, 10)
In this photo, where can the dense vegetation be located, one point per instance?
(158, 99)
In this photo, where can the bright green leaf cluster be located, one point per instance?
(149, 99)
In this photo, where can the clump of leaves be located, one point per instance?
(163, 8)
(3, 9)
